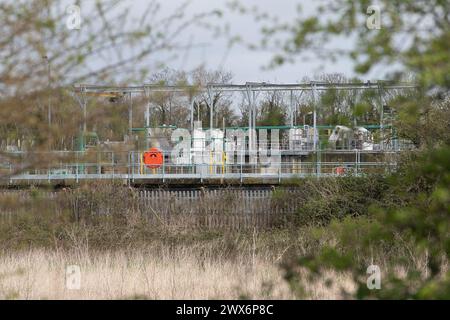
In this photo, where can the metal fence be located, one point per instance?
(200, 208)
(129, 166)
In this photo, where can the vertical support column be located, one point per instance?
(254, 111)
(84, 102)
(211, 107)
(251, 97)
(250, 110)
(314, 116)
(291, 109)
(147, 119)
(253, 156)
(356, 96)
(250, 122)
(191, 104)
(296, 107)
(147, 114)
(211, 125)
(315, 138)
(81, 98)
(381, 117)
(82, 142)
(163, 171)
(130, 115)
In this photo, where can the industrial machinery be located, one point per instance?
(344, 138)
(262, 154)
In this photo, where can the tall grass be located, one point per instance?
(149, 273)
(123, 254)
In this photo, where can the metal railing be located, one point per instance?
(76, 166)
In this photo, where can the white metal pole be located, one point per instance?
(314, 117)
(191, 102)
(130, 115)
(291, 109)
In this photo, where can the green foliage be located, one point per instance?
(272, 111)
(360, 109)
(421, 218)
(414, 204)
(422, 120)
(423, 51)
(273, 117)
(323, 200)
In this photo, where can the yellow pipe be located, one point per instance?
(224, 158)
(210, 163)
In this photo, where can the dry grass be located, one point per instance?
(40, 274)
(123, 255)
(179, 273)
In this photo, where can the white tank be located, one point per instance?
(198, 143)
(296, 140)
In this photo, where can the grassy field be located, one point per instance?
(124, 255)
(158, 272)
(147, 273)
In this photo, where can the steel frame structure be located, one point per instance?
(132, 170)
(249, 89)
(240, 174)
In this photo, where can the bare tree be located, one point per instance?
(221, 102)
(272, 109)
(46, 48)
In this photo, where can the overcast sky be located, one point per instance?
(246, 65)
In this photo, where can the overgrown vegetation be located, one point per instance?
(101, 220)
(414, 205)
(398, 222)
(414, 211)
(322, 200)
